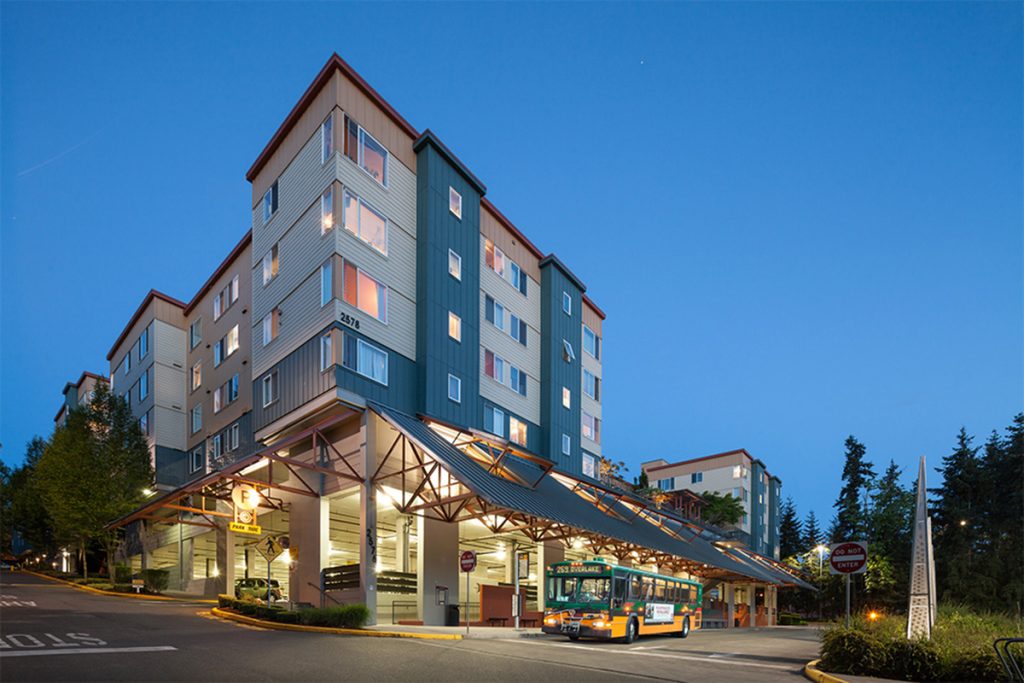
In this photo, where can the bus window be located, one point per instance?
(635, 588)
(562, 588)
(648, 590)
(618, 590)
(594, 590)
(692, 597)
(660, 590)
(675, 596)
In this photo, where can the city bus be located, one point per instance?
(595, 599)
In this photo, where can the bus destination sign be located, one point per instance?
(581, 569)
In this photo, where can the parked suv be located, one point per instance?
(257, 588)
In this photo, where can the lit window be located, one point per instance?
(738, 472)
(566, 397)
(144, 343)
(365, 222)
(591, 342)
(454, 388)
(455, 202)
(269, 268)
(327, 211)
(496, 260)
(326, 352)
(269, 388)
(271, 326)
(696, 477)
(591, 385)
(566, 303)
(327, 138)
(270, 202)
(566, 445)
(517, 431)
(363, 149)
(454, 326)
(326, 283)
(494, 367)
(232, 340)
(591, 427)
(454, 265)
(568, 355)
(364, 292)
(144, 386)
(217, 399)
(589, 466)
(195, 333)
(197, 417)
(372, 362)
(494, 421)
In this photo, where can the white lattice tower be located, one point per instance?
(922, 568)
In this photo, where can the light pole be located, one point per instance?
(820, 548)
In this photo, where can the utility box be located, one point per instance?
(451, 615)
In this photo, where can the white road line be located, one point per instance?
(692, 658)
(87, 651)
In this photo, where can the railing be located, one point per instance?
(323, 594)
(1011, 662)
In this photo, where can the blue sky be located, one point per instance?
(803, 220)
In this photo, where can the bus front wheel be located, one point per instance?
(686, 627)
(631, 631)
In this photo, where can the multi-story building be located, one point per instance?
(78, 393)
(735, 473)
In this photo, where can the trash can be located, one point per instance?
(451, 615)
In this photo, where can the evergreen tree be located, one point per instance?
(721, 509)
(1000, 509)
(811, 534)
(851, 517)
(890, 539)
(28, 515)
(789, 531)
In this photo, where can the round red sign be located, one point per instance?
(467, 560)
(848, 558)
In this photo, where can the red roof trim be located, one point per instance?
(335, 62)
(485, 202)
(235, 253)
(153, 294)
(593, 306)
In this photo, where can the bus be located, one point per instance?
(596, 599)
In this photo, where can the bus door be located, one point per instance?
(619, 591)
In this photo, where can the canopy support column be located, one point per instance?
(437, 569)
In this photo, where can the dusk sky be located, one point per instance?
(804, 221)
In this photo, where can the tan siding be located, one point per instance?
(492, 228)
(301, 317)
(526, 406)
(168, 386)
(591, 319)
(168, 427)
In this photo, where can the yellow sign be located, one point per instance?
(238, 527)
(269, 548)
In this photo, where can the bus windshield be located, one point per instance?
(590, 590)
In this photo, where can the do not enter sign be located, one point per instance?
(467, 560)
(848, 558)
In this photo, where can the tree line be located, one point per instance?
(94, 468)
(977, 513)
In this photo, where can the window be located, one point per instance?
(365, 222)
(195, 333)
(327, 138)
(371, 362)
(454, 326)
(494, 420)
(566, 303)
(591, 342)
(326, 283)
(270, 202)
(232, 389)
(226, 346)
(218, 399)
(269, 388)
(508, 269)
(696, 477)
(589, 466)
(454, 265)
(128, 398)
(126, 364)
(271, 326)
(269, 267)
(495, 366)
(566, 397)
(144, 423)
(144, 343)
(455, 202)
(591, 385)
(225, 298)
(143, 386)
(666, 484)
(233, 437)
(568, 355)
(197, 461)
(517, 431)
(216, 447)
(591, 427)
(498, 315)
(364, 292)
(327, 211)
(566, 445)
(197, 417)
(739, 471)
(362, 148)
(326, 352)
(454, 388)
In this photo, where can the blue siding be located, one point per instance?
(534, 435)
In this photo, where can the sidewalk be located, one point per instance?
(475, 632)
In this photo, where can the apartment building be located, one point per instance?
(736, 473)
(77, 394)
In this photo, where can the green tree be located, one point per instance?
(28, 514)
(890, 530)
(999, 517)
(790, 542)
(851, 518)
(6, 497)
(957, 523)
(93, 471)
(811, 537)
(641, 482)
(722, 509)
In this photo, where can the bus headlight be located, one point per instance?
(551, 621)
(599, 624)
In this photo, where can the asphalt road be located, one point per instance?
(51, 632)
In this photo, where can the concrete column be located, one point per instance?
(403, 524)
(730, 604)
(752, 602)
(187, 560)
(437, 564)
(309, 526)
(225, 583)
(368, 517)
(547, 554)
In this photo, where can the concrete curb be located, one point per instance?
(97, 591)
(251, 621)
(812, 672)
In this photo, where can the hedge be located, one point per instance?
(122, 574)
(156, 580)
(341, 616)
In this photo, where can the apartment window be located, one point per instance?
(494, 367)
(454, 326)
(454, 388)
(589, 466)
(126, 364)
(370, 361)
(591, 342)
(271, 326)
(494, 421)
(197, 461)
(362, 148)
(508, 269)
(197, 417)
(195, 333)
(516, 431)
(591, 427)
(197, 375)
(566, 445)
(227, 345)
(738, 471)
(566, 397)
(568, 355)
(144, 343)
(225, 298)
(326, 352)
(127, 398)
(566, 303)
(365, 292)
(270, 202)
(696, 477)
(269, 388)
(454, 265)
(143, 386)
(455, 202)
(666, 484)
(326, 283)
(144, 423)
(327, 211)
(269, 266)
(591, 385)
(497, 315)
(218, 400)
(365, 222)
(327, 138)
(233, 437)
(216, 447)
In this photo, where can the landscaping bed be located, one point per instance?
(339, 616)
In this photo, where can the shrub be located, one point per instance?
(341, 616)
(787, 619)
(851, 651)
(122, 573)
(911, 660)
(122, 588)
(156, 580)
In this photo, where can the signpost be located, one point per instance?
(270, 548)
(522, 571)
(467, 563)
(848, 558)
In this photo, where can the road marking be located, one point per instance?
(666, 655)
(89, 651)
